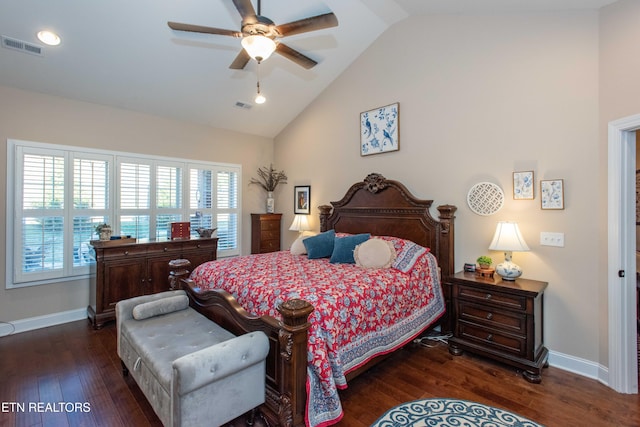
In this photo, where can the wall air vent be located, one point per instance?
(243, 105)
(22, 46)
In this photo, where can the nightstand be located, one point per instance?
(499, 319)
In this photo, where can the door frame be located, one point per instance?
(623, 359)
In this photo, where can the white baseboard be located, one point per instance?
(579, 366)
(31, 323)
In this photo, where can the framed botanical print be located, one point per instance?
(552, 194)
(301, 199)
(523, 185)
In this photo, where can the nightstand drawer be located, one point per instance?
(496, 298)
(492, 338)
(487, 315)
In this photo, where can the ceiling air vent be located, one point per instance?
(243, 105)
(22, 46)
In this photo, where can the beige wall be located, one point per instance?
(480, 97)
(35, 117)
(619, 94)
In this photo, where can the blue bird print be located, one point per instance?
(387, 136)
(367, 126)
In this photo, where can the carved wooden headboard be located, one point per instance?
(385, 207)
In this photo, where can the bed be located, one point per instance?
(311, 356)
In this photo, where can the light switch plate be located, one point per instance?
(552, 239)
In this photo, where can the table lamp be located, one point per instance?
(300, 224)
(508, 239)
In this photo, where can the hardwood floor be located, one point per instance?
(73, 363)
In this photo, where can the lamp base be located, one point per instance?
(508, 270)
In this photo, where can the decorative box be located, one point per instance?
(180, 230)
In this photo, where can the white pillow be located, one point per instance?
(297, 247)
(375, 253)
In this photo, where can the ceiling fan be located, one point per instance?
(257, 30)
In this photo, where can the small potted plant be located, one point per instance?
(104, 231)
(484, 261)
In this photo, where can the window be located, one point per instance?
(57, 195)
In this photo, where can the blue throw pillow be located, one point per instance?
(321, 245)
(343, 248)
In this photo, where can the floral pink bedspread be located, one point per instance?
(359, 313)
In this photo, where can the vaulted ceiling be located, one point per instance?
(121, 53)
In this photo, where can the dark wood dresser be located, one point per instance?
(126, 270)
(502, 320)
(265, 233)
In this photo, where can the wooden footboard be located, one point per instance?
(287, 360)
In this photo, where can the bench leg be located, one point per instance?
(125, 370)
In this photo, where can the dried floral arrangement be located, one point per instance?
(269, 178)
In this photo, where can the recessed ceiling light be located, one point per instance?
(48, 37)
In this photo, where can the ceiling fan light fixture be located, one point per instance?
(258, 47)
(260, 99)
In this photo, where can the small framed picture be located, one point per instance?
(552, 194)
(302, 199)
(379, 130)
(523, 185)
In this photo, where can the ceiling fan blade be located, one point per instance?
(200, 29)
(295, 56)
(313, 23)
(245, 8)
(241, 60)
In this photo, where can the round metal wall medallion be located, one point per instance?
(485, 198)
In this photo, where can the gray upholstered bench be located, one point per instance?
(192, 371)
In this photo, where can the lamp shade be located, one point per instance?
(508, 238)
(300, 223)
(258, 47)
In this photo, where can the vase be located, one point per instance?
(105, 233)
(270, 202)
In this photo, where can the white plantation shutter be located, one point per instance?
(135, 198)
(169, 192)
(40, 227)
(58, 194)
(227, 210)
(214, 203)
(91, 204)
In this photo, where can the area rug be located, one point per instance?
(450, 413)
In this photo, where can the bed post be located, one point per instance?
(446, 253)
(325, 211)
(293, 362)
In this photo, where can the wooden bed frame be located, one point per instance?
(375, 205)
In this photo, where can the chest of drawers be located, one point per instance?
(127, 270)
(265, 233)
(501, 320)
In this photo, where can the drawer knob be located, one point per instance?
(489, 316)
(126, 252)
(490, 337)
(166, 249)
(488, 296)
(198, 246)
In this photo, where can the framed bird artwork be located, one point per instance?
(380, 129)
